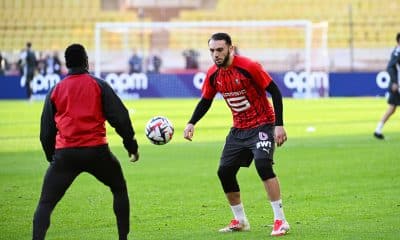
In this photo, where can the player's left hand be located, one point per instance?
(280, 135)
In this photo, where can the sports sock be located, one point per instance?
(278, 210)
(238, 212)
(379, 127)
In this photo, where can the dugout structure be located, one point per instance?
(280, 46)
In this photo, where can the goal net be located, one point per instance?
(296, 46)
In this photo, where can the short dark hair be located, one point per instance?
(221, 36)
(75, 56)
(29, 44)
(398, 37)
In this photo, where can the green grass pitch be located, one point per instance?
(338, 182)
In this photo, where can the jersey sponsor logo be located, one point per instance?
(234, 94)
(238, 104)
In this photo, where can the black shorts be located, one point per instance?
(244, 145)
(394, 98)
(68, 163)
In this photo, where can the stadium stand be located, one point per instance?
(53, 24)
(374, 21)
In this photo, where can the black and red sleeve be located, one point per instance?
(48, 129)
(118, 116)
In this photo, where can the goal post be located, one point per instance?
(280, 46)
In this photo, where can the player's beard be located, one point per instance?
(225, 61)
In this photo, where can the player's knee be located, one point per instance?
(119, 187)
(264, 169)
(227, 176)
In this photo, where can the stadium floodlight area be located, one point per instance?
(281, 46)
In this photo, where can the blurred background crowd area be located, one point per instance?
(360, 33)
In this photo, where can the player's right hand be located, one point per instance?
(188, 131)
(395, 87)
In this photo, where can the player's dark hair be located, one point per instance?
(76, 57)
(221, 36)
(398, 37)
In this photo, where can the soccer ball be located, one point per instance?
(159, 130)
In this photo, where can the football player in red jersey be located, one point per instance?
(73, 137)
(257, 127)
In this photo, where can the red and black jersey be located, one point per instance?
(242, 85)
(79, 117)
(75, 111)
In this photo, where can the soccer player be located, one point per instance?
(28, 64)
(257, 126)
(73, 137)
(394, 90)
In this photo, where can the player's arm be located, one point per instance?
(280, 133)
(395, 85)
(48, 129)
(392, 70)
(118, 116)
(201, 109)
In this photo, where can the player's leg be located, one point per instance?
(389, 112)
(56, 181)
(232, 155)
(393, 102)
(29, 79)
(227, 176)
(263, 150)
(272, 187)
(107, 169)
